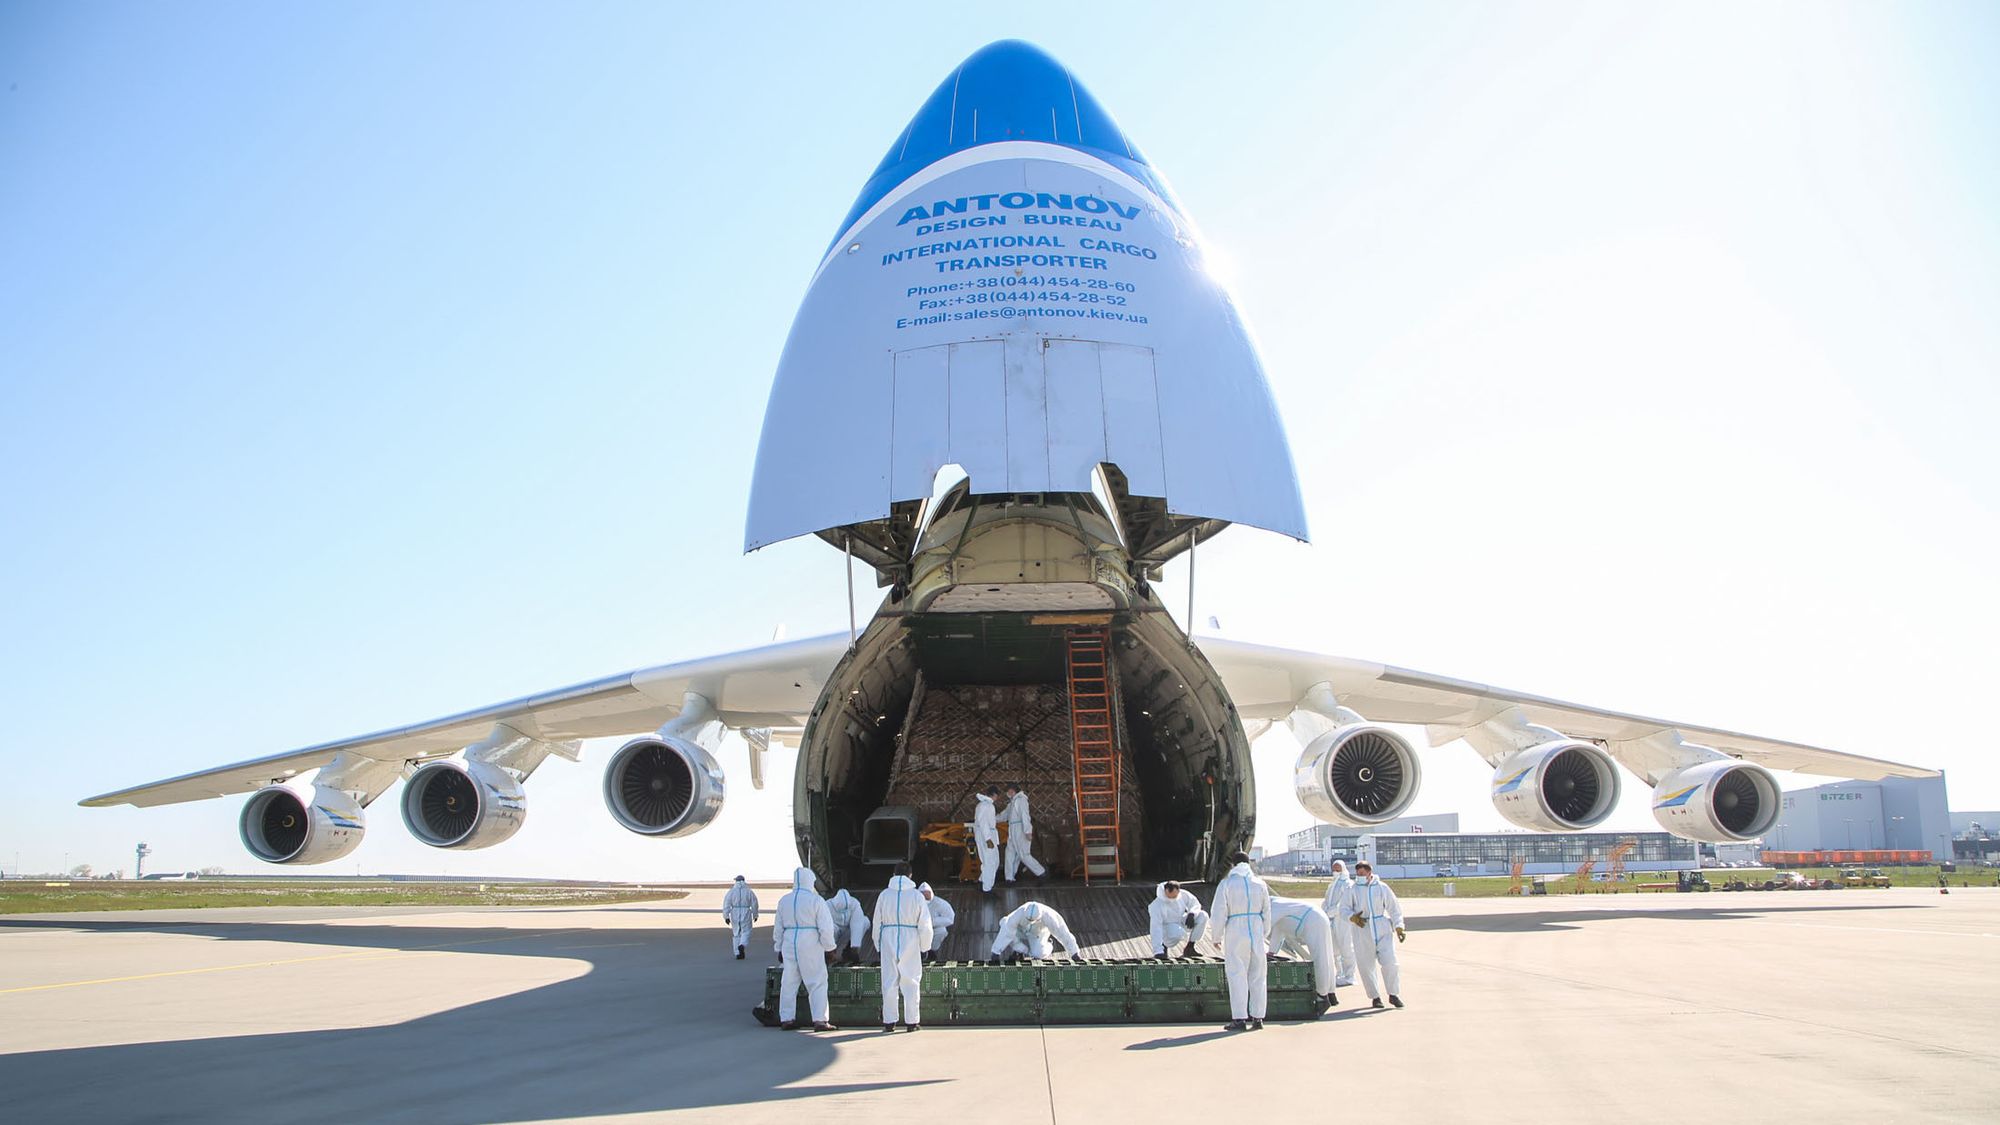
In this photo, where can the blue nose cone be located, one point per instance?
(1007, 91)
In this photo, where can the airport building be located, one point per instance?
(1902, 813)
(1311, 851)
(1424, 855)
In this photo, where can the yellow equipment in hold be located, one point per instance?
(953, 835)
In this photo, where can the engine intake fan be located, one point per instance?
(463, 805)
(1357, 775)
(663, 786)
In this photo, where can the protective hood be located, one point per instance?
(925, 889)
(802, 882)
(1160, 891)
(983, 797)
(901, 883)
(840, 899)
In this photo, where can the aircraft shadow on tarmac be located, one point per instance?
(1574, 919)
(659, 1022)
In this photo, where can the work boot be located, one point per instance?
(1332, 1001)
(1375, 1003)
(888, 1027)
(1256, 1024)
(1187, 950)
(789, 1025)
(822, 1025)
(916, 1027)
(1235, 1025)
(739, 953)
(1393, 1000)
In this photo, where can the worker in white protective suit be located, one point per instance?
(1177, 920)
(1336, 908)
(902, 932)
(739, 909)
(1301, 930)
(1243, 909)
(1377, 917)
(1026, 932)
(1021, 836)
(942, 916)
(802, 933)
(986, 838)
(850, 925)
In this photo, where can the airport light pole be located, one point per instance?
(1890, 828)
(1850, 833)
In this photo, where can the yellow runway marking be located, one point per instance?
(360, 953)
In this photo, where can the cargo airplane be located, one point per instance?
(1015, 390)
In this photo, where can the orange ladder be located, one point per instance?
(1095, 751)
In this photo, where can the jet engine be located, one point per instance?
(1557, 786)
(463, 804)
(280, 826)
(1719, 802)
(1357, 775)
(663, 786)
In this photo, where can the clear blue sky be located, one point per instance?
(362, 363)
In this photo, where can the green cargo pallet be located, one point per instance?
(975, 994)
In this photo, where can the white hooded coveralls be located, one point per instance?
(739, 909)
(986, 837)
(1336, 908)
(1169, 916)
(850, 921)
(1021, 838)
(1028, 929)
(802, 933)
(942, 916)
(1375, 939)
(1301, 930)
(902, 932)
(1243, 907)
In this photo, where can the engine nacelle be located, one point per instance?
(1720, 802)
(1357, 776)
(663, 786)
(461, 804)
(280, 826)
(1558, 786)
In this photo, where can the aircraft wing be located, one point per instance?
(1267, 683)
(773, 686)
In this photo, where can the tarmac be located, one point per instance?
(1854, 1005)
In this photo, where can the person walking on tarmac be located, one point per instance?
(1177, 919)
(1243, 905)
(1336, 909)
(942, 916)
(986, 837)
(850, 926)
(1372, 908)
(739, 909)
(902, 933)
(802, 933)
(1020, 836)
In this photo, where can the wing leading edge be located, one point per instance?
(773, 686)
(1268, 683)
